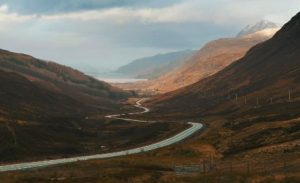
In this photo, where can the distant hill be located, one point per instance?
(250, 29)
(210, 59)
(155, 66)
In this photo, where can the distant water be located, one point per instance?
(120, 80)
(112, 77)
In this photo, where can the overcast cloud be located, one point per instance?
(110, 33)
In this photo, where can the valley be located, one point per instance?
(223, 107)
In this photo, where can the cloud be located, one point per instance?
(11, 18)
(227, 12)
(183, 12)
(112, 32)
(188, 11)
(43, 7)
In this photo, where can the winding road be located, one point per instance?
(179, 137)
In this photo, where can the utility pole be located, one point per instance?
(289, 95)
(271, 100)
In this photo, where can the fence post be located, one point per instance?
(285, 168)
(248, 167)
(210, 162)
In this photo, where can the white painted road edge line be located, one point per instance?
(179, 137)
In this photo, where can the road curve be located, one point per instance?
(40, 164)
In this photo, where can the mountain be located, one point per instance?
(57, 77)
(262, 25)
(154, 66)
(267, 74)
(47, 109)
(210, 59)
(252, 107)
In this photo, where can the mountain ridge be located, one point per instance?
(262, 67)
(211, 58)
(48, 73)
(154, 66)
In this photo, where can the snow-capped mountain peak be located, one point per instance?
(259, 26)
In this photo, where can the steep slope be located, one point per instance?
(213, 57)
(153, 67)
(35, 121)
(60, 78)
(250, 29)
(21, 98)
(265, 76)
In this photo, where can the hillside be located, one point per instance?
(155, 66)
(58, 78)
(210, 59)
(47, 109)
(22, 99)
(37, 123)
(269, 69)
(252, 104)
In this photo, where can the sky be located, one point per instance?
(102, 35)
